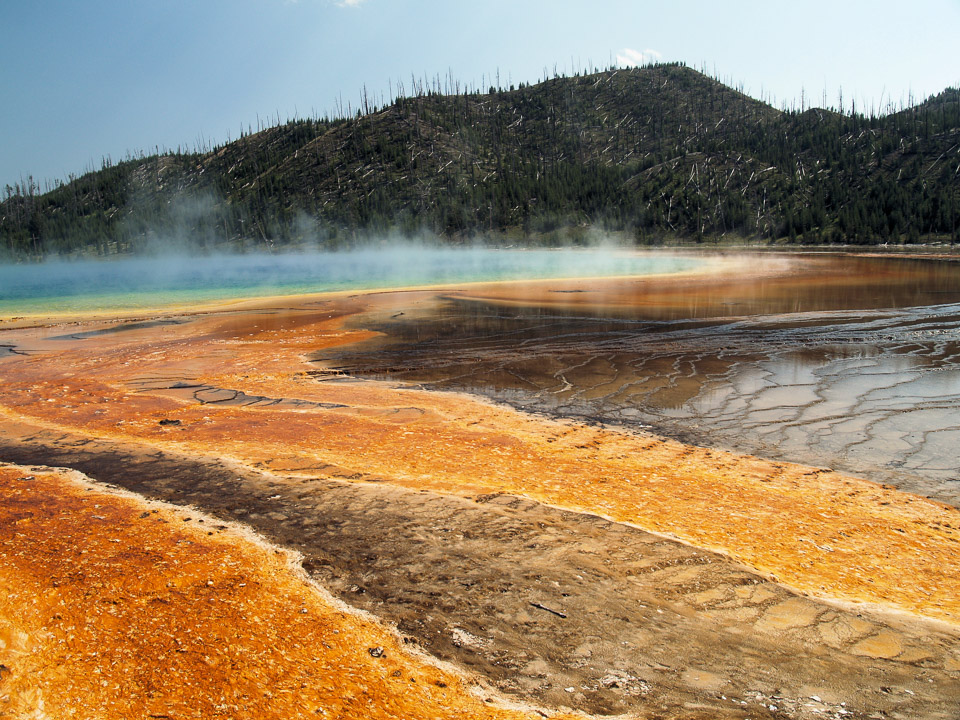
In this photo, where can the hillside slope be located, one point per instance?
(661, 152)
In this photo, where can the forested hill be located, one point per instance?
(661, 152)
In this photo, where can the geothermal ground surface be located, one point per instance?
(852, 363)
(563, 566)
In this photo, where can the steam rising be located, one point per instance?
(149, 282)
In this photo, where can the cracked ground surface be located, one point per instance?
(567, 610)
(873, 391)
(571, 566)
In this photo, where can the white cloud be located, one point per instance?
(338, 3)
(634, 58)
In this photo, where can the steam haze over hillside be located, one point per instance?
(656, 154)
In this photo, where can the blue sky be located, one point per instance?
(84, 80)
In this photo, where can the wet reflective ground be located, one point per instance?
(851, 363)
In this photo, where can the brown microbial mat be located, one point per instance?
(561, 566)
(846, 362)
(115, 608)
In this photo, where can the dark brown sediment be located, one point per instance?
(114, 607)
(851, 363)
(476, 529)
(537, 600)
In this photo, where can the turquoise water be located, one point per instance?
(154, 282)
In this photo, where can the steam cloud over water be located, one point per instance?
(142, 282)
